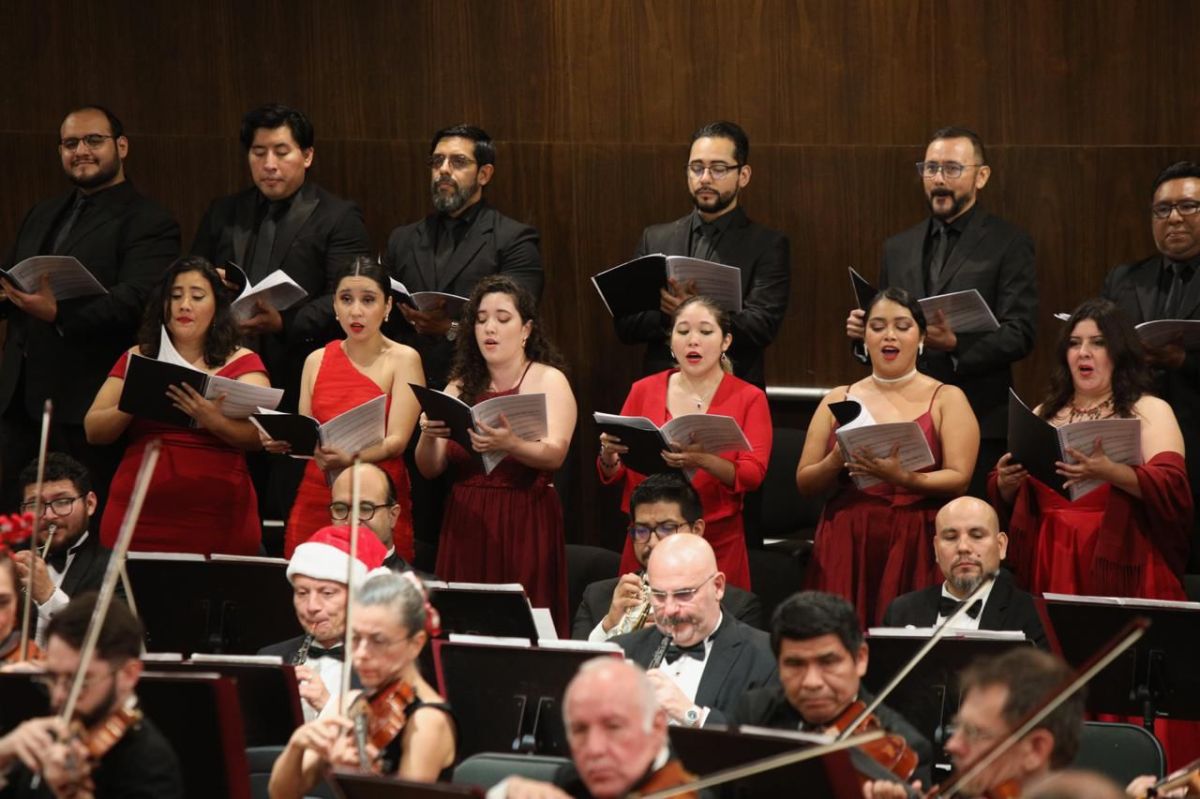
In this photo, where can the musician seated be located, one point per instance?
(968, 545)
(76, 561)
(378, 507)
(136, 761)
(317, 572)
(997, 693)
(10, 629)
(1077, 784)
(618, 739)
(822, 659)
(699, 659)
(661, 505)
(401, 726)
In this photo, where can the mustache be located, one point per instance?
(674, 621)
(941, 193)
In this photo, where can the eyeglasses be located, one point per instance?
(340, 511)
(48, 682)
(436, 160)
(682, 596)
(1185, 208)
(375, 643)
(59, 507)
(92, 140)
(951, 169)
(641, 532)
(970, 733)
(717, 170)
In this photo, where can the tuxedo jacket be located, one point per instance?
(126, 241)
(741, 659)
(318, 235)
(1007, 608)
(285, 649)
(597, 599)
(493, 244)
(994, 257)
(87, 568)
(763, 255)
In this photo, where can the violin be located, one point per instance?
(11, 652)
(102, 737)
(380, 718)
(891, 751)
(672, 775)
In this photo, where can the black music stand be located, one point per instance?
(230, 605)
(508, 698)
(929, 696)
(1157, 676)
(351, 785)
(484, 611)
(715, 748)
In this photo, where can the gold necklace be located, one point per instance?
(1090, 414)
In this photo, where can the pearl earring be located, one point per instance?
(920, 348)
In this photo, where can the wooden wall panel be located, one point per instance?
(592, 102)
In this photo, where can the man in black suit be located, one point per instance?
(661, 505)
(718, 230)
(822, 660)
(464, 240)
(1164, 286)
(63, 350)
(75, 563)
(961, 247)
(284, 222)
(969, 544)
(699, 659)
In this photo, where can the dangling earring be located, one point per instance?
(523, 342)
(673, 358)
(920, 348)
(385, 317)
(724, 357)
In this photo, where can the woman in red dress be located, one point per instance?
(507, 526)
(875, 543)
(344, 374)
(702, 383)
(1129, 536)
(200, 499)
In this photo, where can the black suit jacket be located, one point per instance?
(493, 244)
(126, 241)
(740, 660)
(285, 649)
(1007, 608)
(768, 707)
(996, 258)
(319, 234)
(597, 598)
(763, 255)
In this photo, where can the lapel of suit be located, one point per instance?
(929, 605)
(732, 246)
(680, 237)
(80, 566)
(243, 226)
(423, 247)
(302, 208)
(970, 238)
(99, 214)
(995, 610)
(726, 649)
(1191, 298)
(472, 242)
(37, 242)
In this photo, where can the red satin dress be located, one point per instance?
(339, 387)
(200, 498)
(874, 545)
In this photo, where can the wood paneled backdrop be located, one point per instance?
(591, 102)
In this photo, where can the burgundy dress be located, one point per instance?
(339, 387)
(200, 498)
(505, 527)
(874, 545)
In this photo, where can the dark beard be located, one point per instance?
(722, 202)
(449, 204)
(955, 207)
(106, 706)
(102, 176)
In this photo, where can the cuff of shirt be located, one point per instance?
(598, 636)
(498, 791)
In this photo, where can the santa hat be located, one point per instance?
(326, 555)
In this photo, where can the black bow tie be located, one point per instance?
(57, 559)
(336, 652)
(674, 652)
(947, 605)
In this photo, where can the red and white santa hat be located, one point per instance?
(326, 555)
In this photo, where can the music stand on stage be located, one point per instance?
(352, 785)
(482, 609)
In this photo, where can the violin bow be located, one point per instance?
(1126, 638)
(27, 613)
(944, 629)
(115, 562)
(347, 659)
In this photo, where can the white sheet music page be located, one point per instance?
(68, 277)
(1121, 439)
(359, 428)
(526, 415)
(965, 311)
(880, 439)
(1160, 332)
(276, 289)
(720, 283)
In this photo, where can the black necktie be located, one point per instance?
(64, 231)
(937, 258)
(264, 242)
(335, 652)
(674, 652)
(704, 243)
(1179, 277)
(947, 605)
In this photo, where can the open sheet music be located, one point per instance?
(526, 415)
(1122, 601)
(858, 431)
(634, 286)
(646, 441)
(68, 277)
(241, 398)
(1037, 445)
(965, 311)
(1160, 332)
(359, 428)
(277, 290)
(428, 300)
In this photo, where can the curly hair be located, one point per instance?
(1131, 376)
(222, 337)
(469, 367)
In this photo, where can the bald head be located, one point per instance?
(375, 491)
(968, 543)
(686, 588)
(1074, 784)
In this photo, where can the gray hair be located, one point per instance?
(647, 700)
(399, 594)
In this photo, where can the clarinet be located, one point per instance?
(301, 656)
(660, 653)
